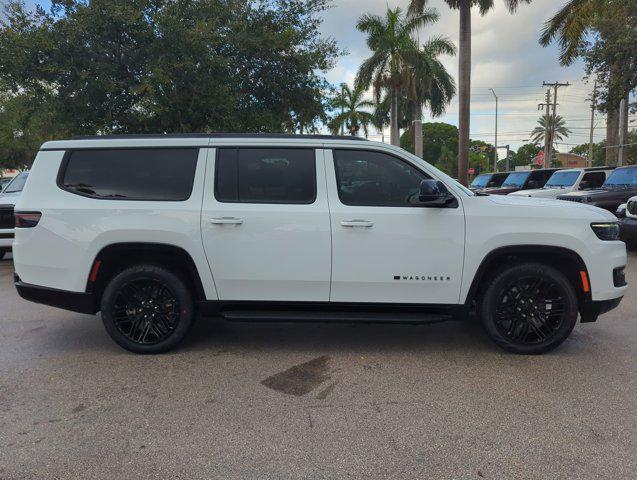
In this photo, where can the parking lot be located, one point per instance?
(297, 401)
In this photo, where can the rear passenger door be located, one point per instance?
(266, 225)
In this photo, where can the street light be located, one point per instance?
(495, 155)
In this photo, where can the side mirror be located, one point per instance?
(584, 185)
(433, 194)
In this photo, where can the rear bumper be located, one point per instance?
(591, 310)
(73, 301)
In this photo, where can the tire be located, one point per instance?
(529, 308)
(147, 309)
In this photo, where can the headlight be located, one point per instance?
(606, 231)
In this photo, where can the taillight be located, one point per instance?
(27, 219)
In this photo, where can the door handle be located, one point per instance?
(226, 221)
(357, 223)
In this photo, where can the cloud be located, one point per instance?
(506, 56)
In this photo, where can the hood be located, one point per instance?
(500, 190)
(567, 209)
(539, 192)
(585, 193)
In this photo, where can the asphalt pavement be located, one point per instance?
(313, 401)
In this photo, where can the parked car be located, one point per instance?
(522, 180)
(4, 181)
(570, 180)
(488, 180)
(300, 228)
(617, 189)
(621, 211)
(628, 224)
(8, 198)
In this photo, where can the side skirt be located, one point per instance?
(332, 312)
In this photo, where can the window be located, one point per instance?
(367, 178)
(594, 179)
(562, 179)
(17, 184)
(265, 175)
(162, 174)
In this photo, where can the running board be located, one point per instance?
(327, 316)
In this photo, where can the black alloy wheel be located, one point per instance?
(147, 309)
(529, 308)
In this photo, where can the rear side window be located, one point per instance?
(594, 179)
(131, 174)
(265, 175)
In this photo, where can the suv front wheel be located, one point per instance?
(147, 309)
(529, 308)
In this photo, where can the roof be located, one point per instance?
(216, 135)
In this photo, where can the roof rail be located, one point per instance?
(217, 135)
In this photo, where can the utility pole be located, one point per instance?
(590, 144)
(342, 108)
(547, 119)
(495, 155)
(555, 86)
(622, 128)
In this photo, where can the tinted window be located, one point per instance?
(622, 178)
(376, 179)
(516, 179)
(481, 180)
(17, 184)
(594, 179)
(562, 179)
(265, 175)
(132, 174)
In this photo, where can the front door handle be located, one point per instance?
(357, 223)
(226, 221)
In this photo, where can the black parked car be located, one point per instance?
(617, 189)
(488, 180)
(523, 180)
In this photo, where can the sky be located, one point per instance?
(506, 56)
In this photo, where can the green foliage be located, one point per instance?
(599, 152)
(557, 132)
(525, 155)
(168, 65)
(353, 111)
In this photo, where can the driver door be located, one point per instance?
(385, 248)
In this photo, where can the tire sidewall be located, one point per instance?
(176, 286)
(502, 280)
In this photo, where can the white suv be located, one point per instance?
(571, 180)
(150, 230)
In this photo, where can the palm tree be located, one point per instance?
(559, 133)
(390, 40)
(352, 116)
(570, 27)
(427, 82)
(464, 70)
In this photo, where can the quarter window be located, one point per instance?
(368, 178)
(132, 174)
(265, 175)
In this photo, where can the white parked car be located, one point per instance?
(565, 181)
(8, 198)
(151, 229)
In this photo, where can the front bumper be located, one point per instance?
(74, 301)
(591, 310)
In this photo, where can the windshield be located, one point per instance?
(562, 180)
(622, 177)
(17, 184)
(481, 180)
(516, 179)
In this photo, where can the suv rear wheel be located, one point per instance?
(529, 308)
(147, 309)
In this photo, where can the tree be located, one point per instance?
(464, 70)
(427, 82)
(167, 66)
(604, 32)
(525, 155)
(436, 135)
(353, 117)
(558, 131)
(599, 152)
(390, 40)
